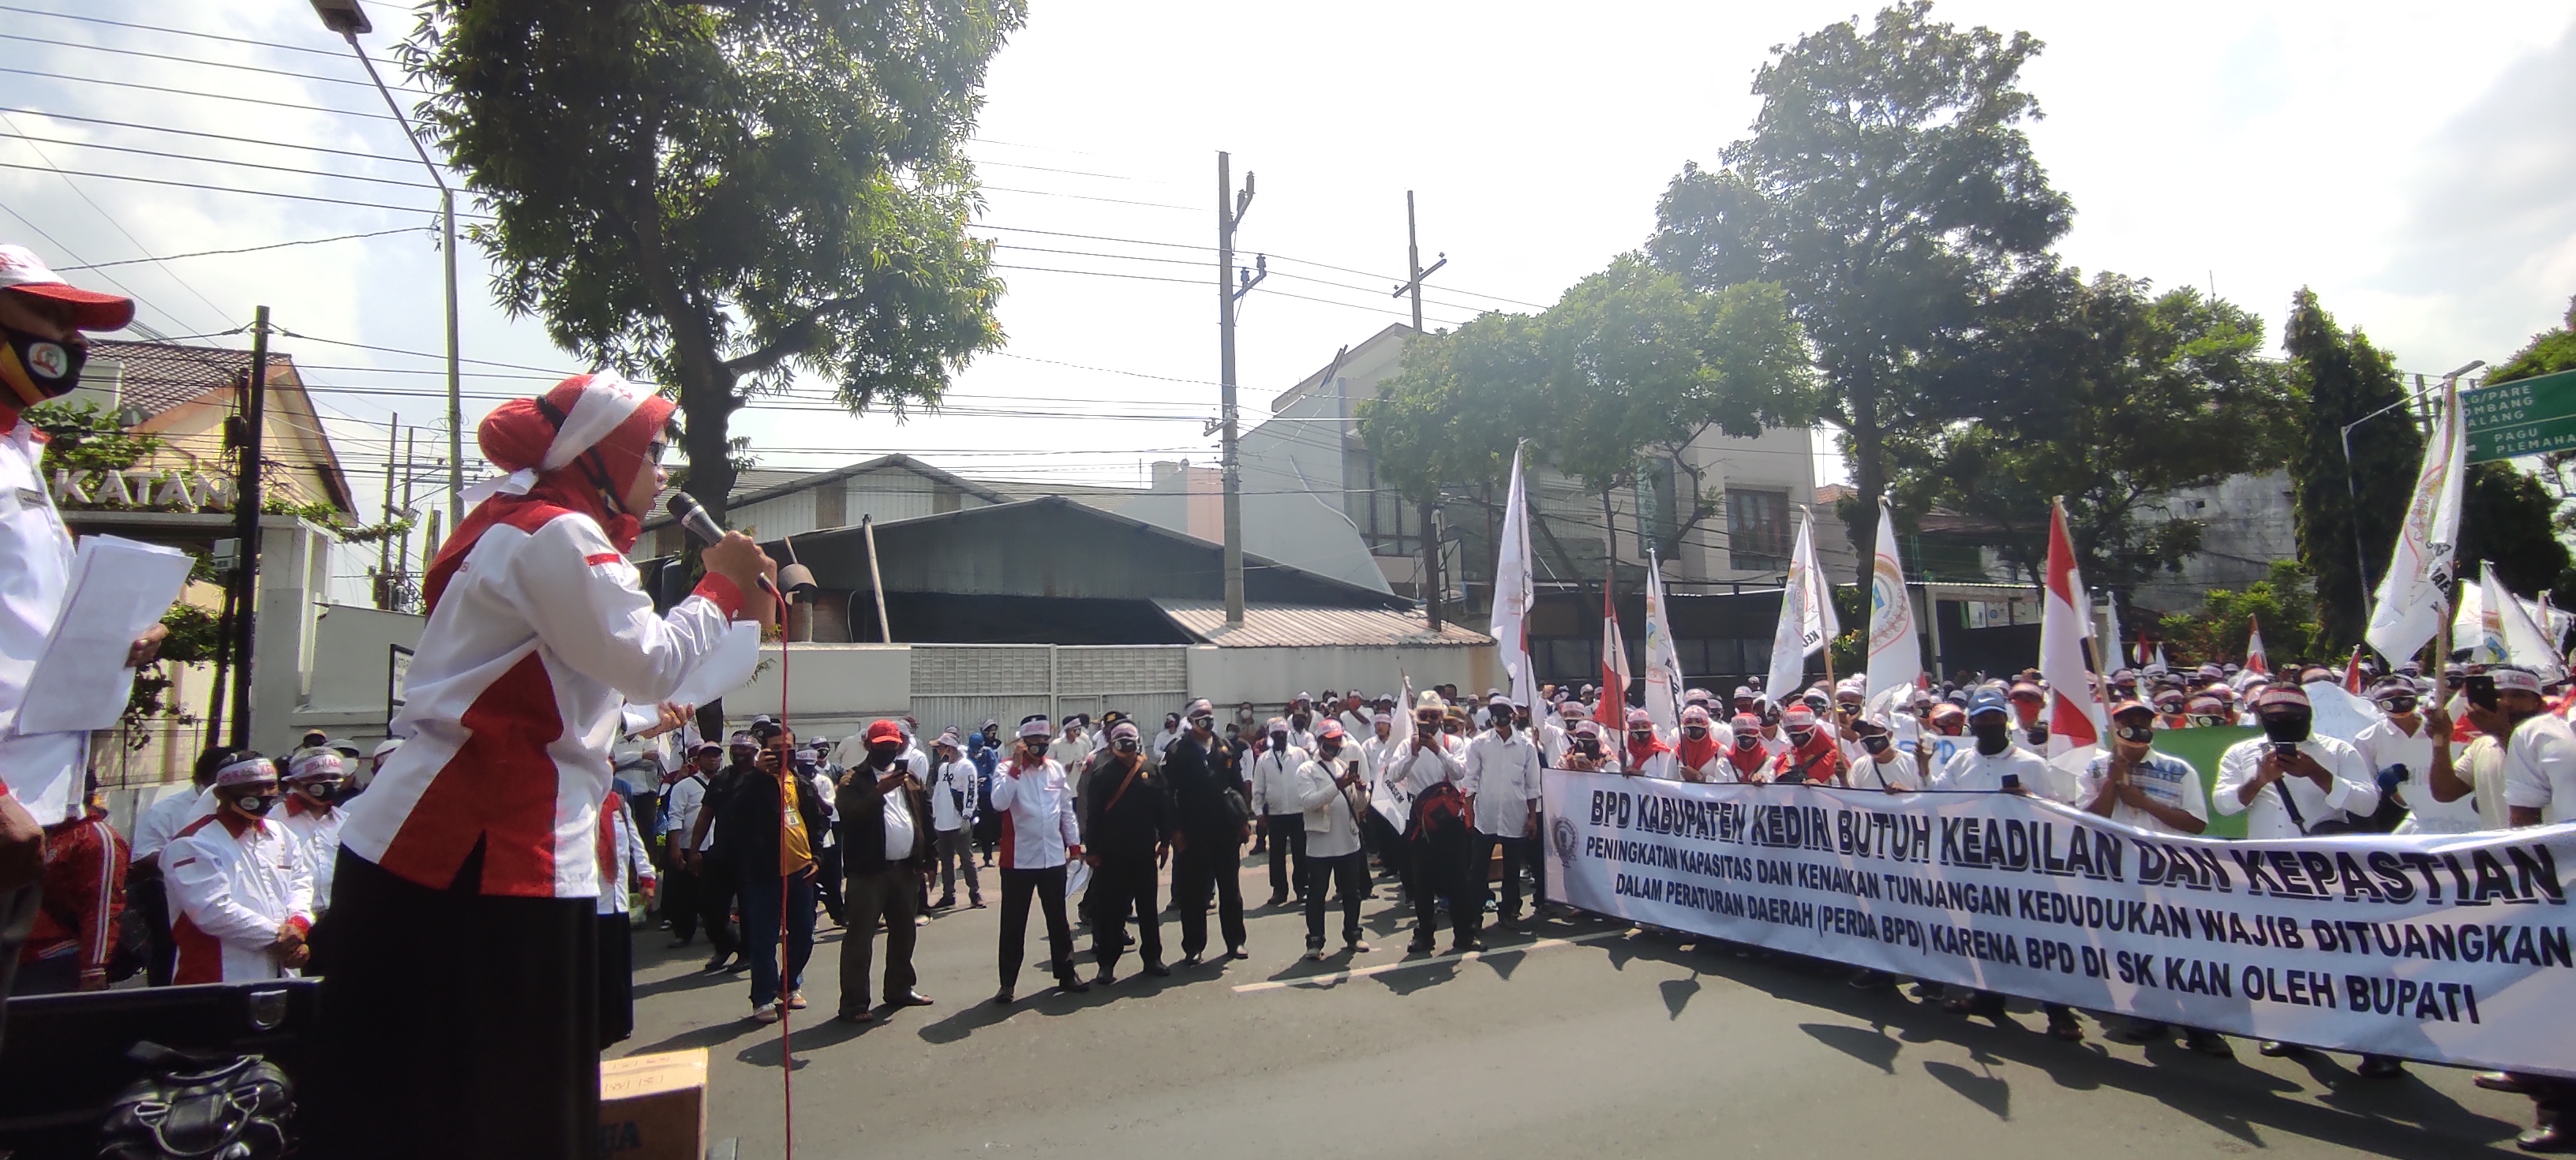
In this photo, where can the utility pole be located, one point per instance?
(1231, 286)
(1414, 274)
(246, 526)
(386, 589)
(411, 444)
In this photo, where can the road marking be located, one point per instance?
(1382, 968)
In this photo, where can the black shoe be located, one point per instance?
(2208, 1043)
(2554, 1138)
(1157, 970)
(1869, 980)
(718, 963)
(945, 901)
(1192, 959)
(1071, 985)
(1237, 953)
(1277, 901)
(2502, 1081)
(1003, 997)
(2138, 1031)
(1421, 945)
(2380, 1067)
(1104, 979)
(2275, 1049)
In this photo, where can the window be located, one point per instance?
(1757, 530)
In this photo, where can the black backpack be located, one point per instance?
(237, 1107)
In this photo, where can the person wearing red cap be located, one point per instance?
(886, 849)
(42, 348)
(468, 871)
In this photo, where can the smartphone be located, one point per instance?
(2285, 750)
(2012, 781)
(2482, 692)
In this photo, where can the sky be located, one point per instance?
(2411, 164)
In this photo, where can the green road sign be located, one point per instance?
(2524, 417)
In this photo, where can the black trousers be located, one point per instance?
(455, 1023)
(1351, 872)
(149, 896)
(1048, 886)
(616, 979)
(827, 883)
(17, 919)
(1440, 867)
(680, 900)
(1517, 853)
(1123, 885)
(1204, 866)
(716, 888)
(1287, 854)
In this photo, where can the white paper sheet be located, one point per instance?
(726, 669)
(119, 589)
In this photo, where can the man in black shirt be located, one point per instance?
(1212, 821)
(1125, 840)
(885, 842)
(718, 881)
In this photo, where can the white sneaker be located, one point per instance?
(766, 1013)
(796, 1000)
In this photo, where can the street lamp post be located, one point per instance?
(2352, 484)
(348, 19)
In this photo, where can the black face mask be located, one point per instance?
(1695, 733)
(53, 368)
(2138, 734)
(1126, 745)
(1801, 736)
(884, 754)
(1278, 739)
(255, 804)
(1993, 737)
(1748, 741)
(1874, 744)
(2289, 728)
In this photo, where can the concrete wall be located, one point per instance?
(1270, 676)
(834, 690)
(345, 696)
(2246, 523)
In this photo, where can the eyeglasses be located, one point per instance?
(654, 451)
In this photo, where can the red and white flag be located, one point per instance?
(2074, 717)
(1612, 709)
(2254, 662)
(2352, 673)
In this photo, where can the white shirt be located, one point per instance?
(42, 771)
(1356, 723)
(899, 834)
(952, 797)
(1038, 824)
(1552, 740)
(1374, 754)
(681, 802)
(1332, 819)
(167, 817)
(2167, 779)
(2385, 744)
(627, 859)
(2540, 768)
(1971, 771)
(231, 894)
(1502, 775)
(1897, 772)
(2352, 789)
(1416, 771)
(317, 834)
(1274, 781)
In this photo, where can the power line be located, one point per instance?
(385, 157)
(1369, 274)
(275, 72)
(170, 31)
(1088, 197)
(194, 93)
(248, 250)
(232, 189)
(1092, 237)
(118, 226)
(167, 155)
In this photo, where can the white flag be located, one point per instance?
(1806, 617)
(1663, 662)
(1895, 653)
(1387, 798)
(2407, 609)
(2490, 642)
(2524, 641)
(1513, 594)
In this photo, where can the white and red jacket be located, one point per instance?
(537, 643)
(621, 852)
(317, 830)
(1039, 830)
(234, 884)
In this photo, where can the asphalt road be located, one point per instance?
(1578, 1036)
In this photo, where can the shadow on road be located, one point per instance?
(2404, 1118)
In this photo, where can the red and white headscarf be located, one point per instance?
(577, 447)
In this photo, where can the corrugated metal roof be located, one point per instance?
(1297, 626)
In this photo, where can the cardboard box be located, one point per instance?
(654, 1107)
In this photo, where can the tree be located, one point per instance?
(1627, 371)
(2509, 521)
(2282, 602)
(2126, 397)
(1889, 189)
(2549, 352)
(721, 195)
(2341, 378)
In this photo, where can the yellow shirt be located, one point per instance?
(795, 851)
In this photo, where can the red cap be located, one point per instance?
(884, 731)
(21, 270)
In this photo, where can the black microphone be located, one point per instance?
(692, 516)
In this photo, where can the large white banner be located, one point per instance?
(2445, 949)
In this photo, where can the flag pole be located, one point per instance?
(2101, 685)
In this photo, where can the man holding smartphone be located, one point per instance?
(1997, 765)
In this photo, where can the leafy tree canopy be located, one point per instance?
(1889, 189)
(2343, 379)
(720, 195)
(2283, 602)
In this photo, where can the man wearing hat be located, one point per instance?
(885, 833)
(1212, 821)
(1503, 791)
(1812, 755)
(2293, 782)
(1437, 832)
(1039, 835)
(1334, 789)
(312, 815)
(952, 820)
(2398, 750)
(681, 805)
(1275, 798)
(42, 349)
(241, 890)
(1996, 763)
(2138, 787)
(1128, 829)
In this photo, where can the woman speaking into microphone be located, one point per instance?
(458, 1013)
